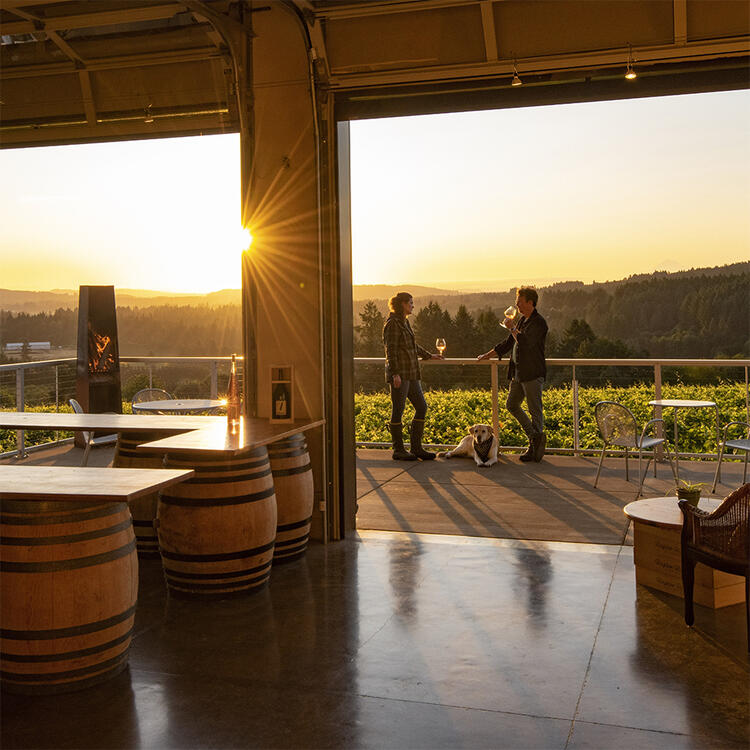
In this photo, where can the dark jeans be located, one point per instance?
(531, 390)
(411, 389)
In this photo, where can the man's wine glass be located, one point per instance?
(440, 345)
(510, 315)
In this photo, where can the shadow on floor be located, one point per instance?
(554, 500)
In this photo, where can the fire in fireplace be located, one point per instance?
(101, 352)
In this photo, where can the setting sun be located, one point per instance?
(244, 239)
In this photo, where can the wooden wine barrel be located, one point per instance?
(69, 589)
(293, 480)
(143, 509)
(216, 531)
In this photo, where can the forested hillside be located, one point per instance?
(699, 313)
(143, 331)
(687, 314)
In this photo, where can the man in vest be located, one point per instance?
(527, 369)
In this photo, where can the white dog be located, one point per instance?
(480, 444)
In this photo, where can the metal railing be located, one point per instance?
(576, 364)
(60, 379)
(56, 379)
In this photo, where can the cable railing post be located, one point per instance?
(214, 379)
(150, 375)
(657, 411)
(57, 396)
(20, 401)
(576, 435)
(495, 406)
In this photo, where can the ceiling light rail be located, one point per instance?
(737, 47)
(141, 115)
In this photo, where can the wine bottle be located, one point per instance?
(280, 401)
(233, 395)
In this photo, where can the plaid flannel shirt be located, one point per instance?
(401, 349)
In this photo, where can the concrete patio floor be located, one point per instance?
(411, 640)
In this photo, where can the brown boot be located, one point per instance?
(528, 455)
(397, 438)
(416, 433)
(540, 443)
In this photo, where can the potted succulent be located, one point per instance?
(690, 491)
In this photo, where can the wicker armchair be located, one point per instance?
(149, 394)
(721, 540)
(618, 427)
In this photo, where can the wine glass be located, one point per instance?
(440, 345)
(510, 315)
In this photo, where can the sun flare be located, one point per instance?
(244, 239)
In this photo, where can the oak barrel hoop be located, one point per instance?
(293, 480)
(143, 509)
(69, 585)
(216, 530)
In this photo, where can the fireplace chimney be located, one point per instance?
(98, 387)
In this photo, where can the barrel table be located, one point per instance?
(132, 430)
(293, 482)
(142, 509)
(218, 530)
(68, 573)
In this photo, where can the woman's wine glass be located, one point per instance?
(440, 345)
(510, 315)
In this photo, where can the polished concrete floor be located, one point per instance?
(407, 640)
(392, 640)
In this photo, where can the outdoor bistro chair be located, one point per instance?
(149, 394)
(721, 540)
(88, 437)
(618, 427)
(740, 444)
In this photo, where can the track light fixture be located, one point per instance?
(516, 80)
(630, 74)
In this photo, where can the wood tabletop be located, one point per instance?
(664, 511)
(84, 484)
(35, 420)
(252, 433)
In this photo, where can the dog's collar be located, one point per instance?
(483, 449)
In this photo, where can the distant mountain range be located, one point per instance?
(35, 302)
(49, 301)
(386, 291)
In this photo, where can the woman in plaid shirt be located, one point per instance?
(402, 354)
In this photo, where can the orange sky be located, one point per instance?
(583, 191)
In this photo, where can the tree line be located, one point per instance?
(162, 330)
(667, 315)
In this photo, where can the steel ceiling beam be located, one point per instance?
(90, 20)
(113, 63)
(365, 9)
(488, 29)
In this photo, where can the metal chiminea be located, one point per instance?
(98, 387)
